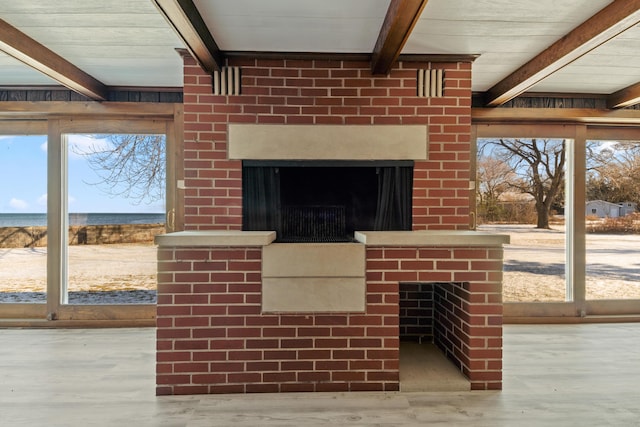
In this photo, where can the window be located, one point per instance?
(116, 206)
(612, 243)
(59, 186)
(521, 192)
(23, 219)
(593, 261)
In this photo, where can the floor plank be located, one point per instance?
(554, 375)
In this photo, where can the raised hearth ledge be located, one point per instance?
(211, 238)
(431, 238)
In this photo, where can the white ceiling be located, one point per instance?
(294, 25)
(506, 33)
(606, 69)
(119, 42)
(129, 43)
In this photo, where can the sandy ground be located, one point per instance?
(127, 271)
(534, 269)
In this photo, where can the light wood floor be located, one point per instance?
(564, 375)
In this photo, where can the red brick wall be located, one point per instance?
(416, 312)
(212, 337)
(326, 92)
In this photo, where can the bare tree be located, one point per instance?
(613, 171)
(539, 165)
(132, 166)
(494, 178)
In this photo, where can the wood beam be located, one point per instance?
(609, 22)
(25, 49)
(401, 17)
(23, 110)
(185, 19)
(630, 95)
(590, 116)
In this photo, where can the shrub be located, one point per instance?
(507, 212)
(629, 224)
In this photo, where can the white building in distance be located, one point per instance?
(603, 209)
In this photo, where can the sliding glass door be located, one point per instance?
(76, 230)
(521, 192)
(591, 244)
(23, 219)
(116, 206)
(613, 220)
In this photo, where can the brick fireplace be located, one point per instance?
(234, 316)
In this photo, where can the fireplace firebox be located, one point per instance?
(320, 201)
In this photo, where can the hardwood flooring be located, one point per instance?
(554, 375)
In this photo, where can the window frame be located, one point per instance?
(57, 120)
(575, 304)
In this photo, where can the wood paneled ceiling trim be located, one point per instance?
(612, 20)
(336, 56)
(185, 19)
(401, 17)
(23, 48)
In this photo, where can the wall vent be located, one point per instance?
(227, 81)
(430, 83)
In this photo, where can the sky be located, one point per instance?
(23, 179)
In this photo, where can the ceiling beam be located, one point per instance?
(590, 116)
(401, 17)
(185, 19)
(25, 49)
(625, 97)
(609, 22)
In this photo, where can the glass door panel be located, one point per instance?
(116, 206)
(23, 219)
(521, 192)
(612, 220)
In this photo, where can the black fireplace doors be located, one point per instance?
(326, 202)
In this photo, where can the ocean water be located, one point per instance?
(40, 219)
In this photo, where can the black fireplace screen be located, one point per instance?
(312, 202)
(314, 224)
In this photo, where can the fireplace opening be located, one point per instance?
(326, 201)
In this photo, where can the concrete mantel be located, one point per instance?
(327, 142)
(431, 238)
(216, 238)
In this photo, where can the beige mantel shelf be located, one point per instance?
(212, 238)
(431, 238)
